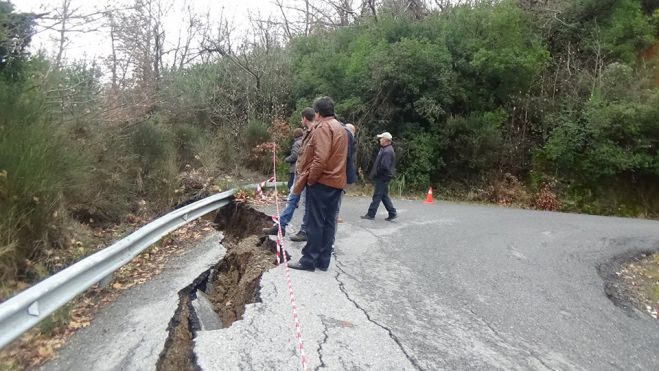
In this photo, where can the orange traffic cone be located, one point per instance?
(428, 197)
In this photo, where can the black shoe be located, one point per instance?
(273, 230)
(324, 269)
(300, 267)
(299, 237)
(367, 217)
(391, 217)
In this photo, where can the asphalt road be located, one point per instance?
(445, 286)
(130, 333)
(450, 286)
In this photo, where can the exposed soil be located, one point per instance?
(631, 281)
(178, 354)
(230, 284)
(237, 221)
(237, 278)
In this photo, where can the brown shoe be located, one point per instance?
(273, 230)
(300, 267)
(298, 237)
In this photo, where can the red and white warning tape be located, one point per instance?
(259, 187)
(283, 259)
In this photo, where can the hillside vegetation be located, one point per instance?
(551, 104)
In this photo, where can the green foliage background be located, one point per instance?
(472, 95)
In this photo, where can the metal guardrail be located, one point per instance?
(26, 309)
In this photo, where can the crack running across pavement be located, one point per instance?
(379, 238)
(368, 317)
(320, 346)
(500, 336)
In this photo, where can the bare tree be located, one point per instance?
(67, 19)
(369, 5)
(302, 17)
(183, 53)
(65, 14)
(415, 9)
(140, 38)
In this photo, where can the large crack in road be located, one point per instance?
(217, 297)
(391, 334)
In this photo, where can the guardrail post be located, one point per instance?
(105, 281)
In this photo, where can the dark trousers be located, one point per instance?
(381, 193)
(291, 180)
(321, 206)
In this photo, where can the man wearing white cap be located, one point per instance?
(381, 173)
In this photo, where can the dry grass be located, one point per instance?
(642, 276)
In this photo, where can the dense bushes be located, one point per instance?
(506, 103)
(476, 92)
(40, 168)
(441, 85)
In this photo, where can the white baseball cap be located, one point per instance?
(385, 135)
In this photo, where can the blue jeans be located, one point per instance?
(322, 202)
(287, 214)
(291, 204)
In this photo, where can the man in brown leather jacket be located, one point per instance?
(321, 168)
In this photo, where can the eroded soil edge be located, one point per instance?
(222, 291)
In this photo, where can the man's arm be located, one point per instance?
(294, 153)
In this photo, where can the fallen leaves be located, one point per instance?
(268, 198)
(36, 347)
(642, 277)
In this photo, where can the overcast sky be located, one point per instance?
(95, 44)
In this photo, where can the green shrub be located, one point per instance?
(40, 169)
(472, 146)
(418, 160)
(187, 139)
(155, 160)
(217, 152)
(255, 133)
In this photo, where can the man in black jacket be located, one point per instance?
(381, 173)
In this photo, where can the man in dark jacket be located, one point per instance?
(292, 158)
(381, 173)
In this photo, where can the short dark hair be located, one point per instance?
(298, 133)
(309, 114)
(324, 106)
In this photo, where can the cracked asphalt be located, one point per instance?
(449, 287)
(130, 333)
(444, 287)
